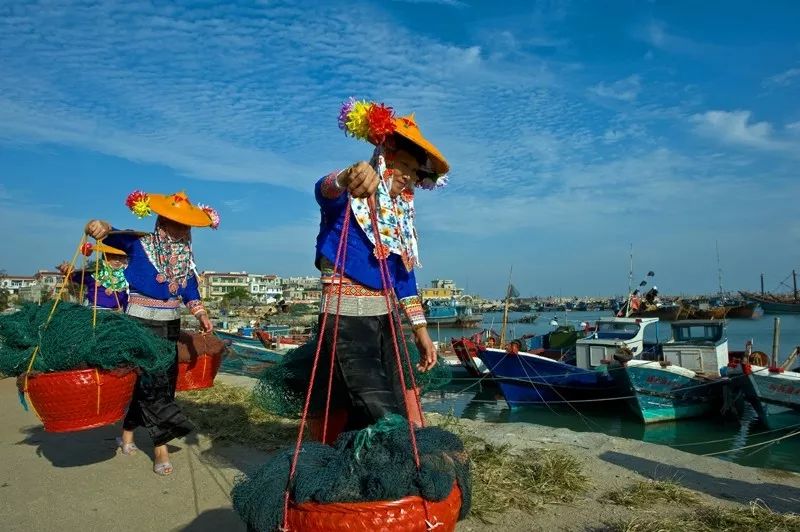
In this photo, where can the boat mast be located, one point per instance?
(719, 272)
(794, 278)
(505, 310)
(630, 285)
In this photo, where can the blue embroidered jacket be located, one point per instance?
(141, 273)
(361, 265)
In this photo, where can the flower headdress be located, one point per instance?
(376, 123)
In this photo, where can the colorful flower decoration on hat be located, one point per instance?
(212, 213)
(368, 121)
(139, 203)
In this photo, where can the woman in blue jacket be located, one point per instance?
(162, 278)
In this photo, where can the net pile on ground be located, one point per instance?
(282, 388)
(374, 464)
(70, 341)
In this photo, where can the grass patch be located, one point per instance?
(649, 492)
(227, 413)
(756, 518)
(505, 479)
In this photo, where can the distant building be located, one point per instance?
(441, 289)
(214, 285)
(307, 282)
(49, 281)
(13, 283)
(265, 288)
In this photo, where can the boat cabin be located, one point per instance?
(698, 345)
(610, 335)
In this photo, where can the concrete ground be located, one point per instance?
(78, 481)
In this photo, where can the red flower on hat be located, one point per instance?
(381, 122)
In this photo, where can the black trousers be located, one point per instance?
(366, 381)
(153, 405)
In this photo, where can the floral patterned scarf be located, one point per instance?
(395, 218)
(112, 279)
(172, 257)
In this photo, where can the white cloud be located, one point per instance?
(784, 79)
(626, 89)
(736, 128)
(453, 3)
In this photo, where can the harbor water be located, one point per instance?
(727, 439)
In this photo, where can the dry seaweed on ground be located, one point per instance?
(504, 478)
(225, 412)
(649, 492)
(757, 518)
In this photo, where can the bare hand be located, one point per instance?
(97, 229)
(64, 268)
(360, 179)
(205, 323)
(427, 351)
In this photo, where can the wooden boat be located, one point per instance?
(774, 304)
(530, 378)
(772, 390)
(466, 352)
(663, 313)
(723, 311)
(686, 380)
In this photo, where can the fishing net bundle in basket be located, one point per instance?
(77, 365)
(367, 480)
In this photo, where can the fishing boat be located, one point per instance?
(451, 313)
(685, 381)
(776, 303)
(772, 390)
(466, 358)
(527, 378)
(663, 313)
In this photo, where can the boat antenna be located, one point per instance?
(630, 272)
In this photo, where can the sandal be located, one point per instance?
(163, 469)
(126, 448)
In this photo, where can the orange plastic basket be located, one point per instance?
(80, 399)
(199, 372)
(403, 515)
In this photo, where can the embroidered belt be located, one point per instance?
(145, 301)
(354, 305)
(149, 308)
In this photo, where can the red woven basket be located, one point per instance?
(199, 372)
(403, 515)
(80, 399)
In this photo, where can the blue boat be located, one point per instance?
(686, 381)
(531, 379)
(451, 314)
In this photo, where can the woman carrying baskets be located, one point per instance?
(371, 206)
(162, 276)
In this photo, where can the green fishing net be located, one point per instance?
(374, 464)
(70, 342)
(282, 388)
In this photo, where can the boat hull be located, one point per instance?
(527, 379)
(666, 394)
(774, 396)
(773, 307)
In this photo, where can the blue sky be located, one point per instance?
(574, 129)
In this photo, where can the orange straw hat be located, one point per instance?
(100, 248)
(375, 123)
(176, 207)
(406, 126)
